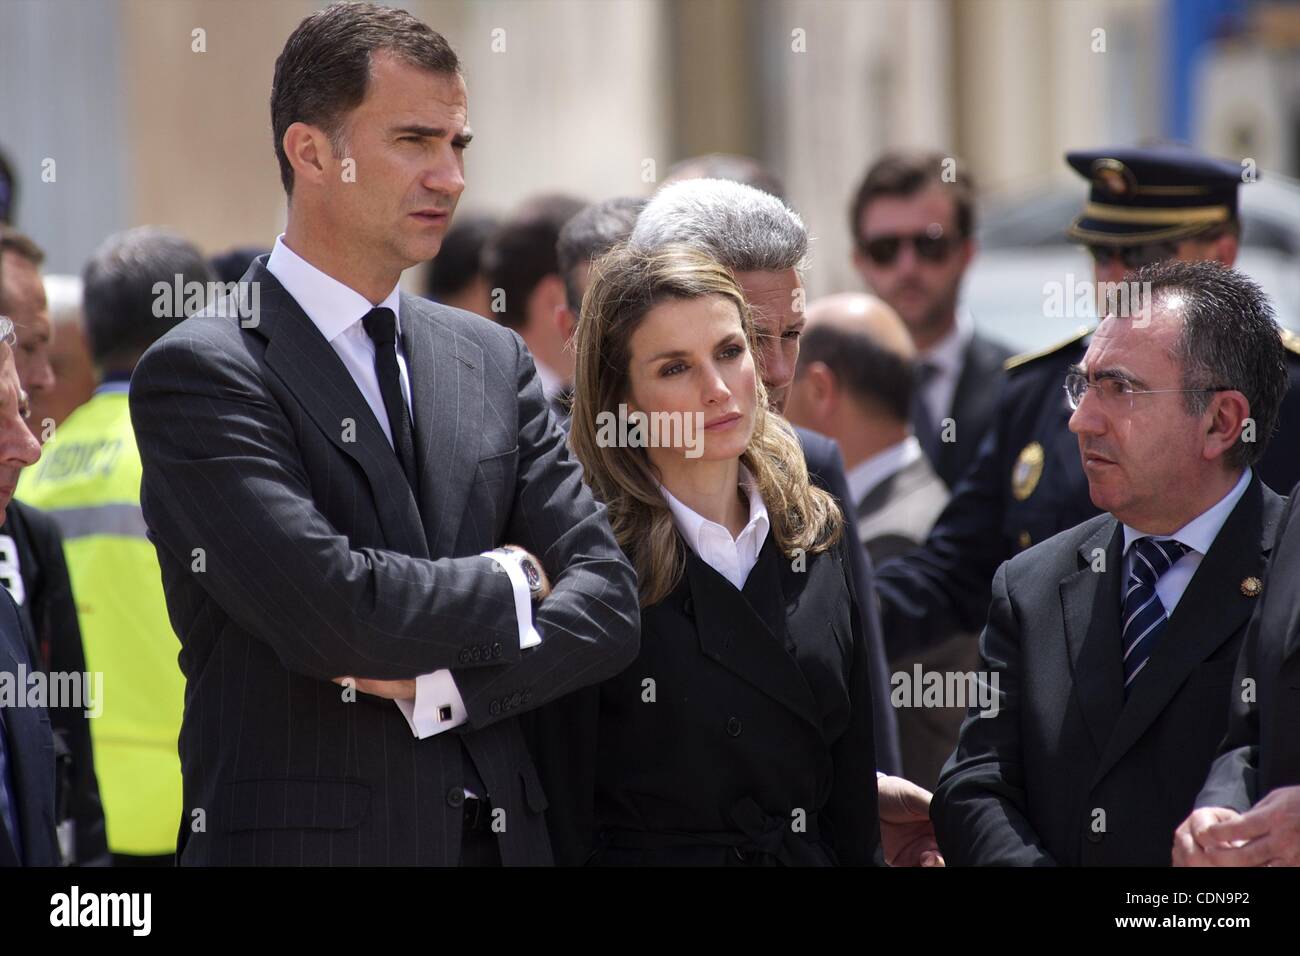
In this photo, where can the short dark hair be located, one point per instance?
(118, 295)
(21, 245)
(457, 263)
(522, 252)
(589, 235)
(323, 72)
(867, 370)
(1229, 339)
(904, 174)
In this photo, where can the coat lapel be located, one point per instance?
(447, 397)
(1090, 601)
(737, 638)
(309, 366)
(1210, 611)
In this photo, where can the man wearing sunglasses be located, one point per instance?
(912, 226)
(1028, 482)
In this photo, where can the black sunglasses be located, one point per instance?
(883, 250)
(1134, 257)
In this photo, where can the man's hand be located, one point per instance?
(1191, 839)
(391, 689)
(906, 833)
(1266, 835)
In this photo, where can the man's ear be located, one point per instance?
(967, 250)
(545, 298)
(566, 323)
(823, 387)
(1224, 249)
(1229, 423)
(308, 151)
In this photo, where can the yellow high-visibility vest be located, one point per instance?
(88, 480)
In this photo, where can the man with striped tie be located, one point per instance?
(1110, 647)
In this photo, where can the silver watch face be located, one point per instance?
(531, 574)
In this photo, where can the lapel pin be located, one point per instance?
(1251, 586)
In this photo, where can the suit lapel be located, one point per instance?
(447, 397)
(1090, 601)
(1210, 611)
(737, 638)
(309, 366)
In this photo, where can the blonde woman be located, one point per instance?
(742, 733)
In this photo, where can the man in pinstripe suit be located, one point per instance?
(330, 469)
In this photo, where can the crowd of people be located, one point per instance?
(367, 580)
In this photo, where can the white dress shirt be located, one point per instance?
(870, 472)
(337, 310)
(1198, 535)
(947, 356)
(733, 558)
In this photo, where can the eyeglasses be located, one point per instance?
(1134, 257)
(1115, 392)
(883, 250)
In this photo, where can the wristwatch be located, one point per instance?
(529, 565)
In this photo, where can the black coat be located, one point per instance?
(319, 561)
(742, 732)
(43, 592)
(30, 747)
(1068, 771)
(1261, 751)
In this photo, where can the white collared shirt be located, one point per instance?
(947, 356)
(1198, 535)
(733, 558)
(866, 475)
(337, 310)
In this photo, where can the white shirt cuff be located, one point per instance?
(437, 705)
(528, 636)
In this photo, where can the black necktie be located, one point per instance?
(923, 425)
(381, 326)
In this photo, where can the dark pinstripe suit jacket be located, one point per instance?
(293, 551)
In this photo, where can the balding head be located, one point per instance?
(855, 373)
(857, 313)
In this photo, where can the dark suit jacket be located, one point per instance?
(31, 754)
(1261, 751)
(974, 404)
(293, 551)
(826, 469)
(1068, 772)
(893, 518)
(50, 615)
(745, 712)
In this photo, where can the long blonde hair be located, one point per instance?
(626, 284)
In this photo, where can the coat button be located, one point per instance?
(494, 708)
(455, 797)
(464, 656)
(496, 649)
(733, 726)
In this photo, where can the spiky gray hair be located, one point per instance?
(743, 228)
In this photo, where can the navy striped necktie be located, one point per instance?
(1144, 614)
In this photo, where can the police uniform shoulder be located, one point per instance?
(1030, 358)
(1291, 341)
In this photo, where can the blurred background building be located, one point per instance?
(117, 113)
